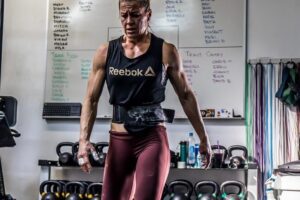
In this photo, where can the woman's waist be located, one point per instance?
(143, 114)
(119, 127)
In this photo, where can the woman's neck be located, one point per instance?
(140, 39)
(135, 48)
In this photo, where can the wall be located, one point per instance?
(273, 31)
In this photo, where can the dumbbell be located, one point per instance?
(65, 158)
(240, 195)
(175, 189)
(102, 156)
(74, 190)
(236, 162)
(50, 190)
(94, 191)
(200, 195)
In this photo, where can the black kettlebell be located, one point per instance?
(240, 195)
(213, 159)
(94, 191)
(205, 195)
(86, 183)
(236, 162)
(174, 158)
(102, 156)
(65, 158)
(175, 189)
(63, 183)
(75, 149)
(50, 190)
(165, 192)
(74, 190)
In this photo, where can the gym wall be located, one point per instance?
(23, 76)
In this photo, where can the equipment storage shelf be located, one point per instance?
(248, 176)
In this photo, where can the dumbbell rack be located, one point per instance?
(248, 175)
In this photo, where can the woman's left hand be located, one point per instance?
(205, 152)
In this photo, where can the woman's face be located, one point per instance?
(134, 18)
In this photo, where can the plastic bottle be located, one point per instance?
(197, 157)
(191, 151)
(183, 151)
(199, 161)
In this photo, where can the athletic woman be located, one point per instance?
(136, 68)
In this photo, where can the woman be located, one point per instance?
(135, 68)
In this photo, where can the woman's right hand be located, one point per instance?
(85, 148)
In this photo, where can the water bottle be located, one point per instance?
(191, 151)
(183, 151)
(197, 157)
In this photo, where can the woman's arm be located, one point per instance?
(172, 62)
(90, 103)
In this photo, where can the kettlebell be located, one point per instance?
(174, 158)
(86, 184)
(74, 190)
(75, 149)
(102, 156)
(165, 192)
(94, 191)
(213, 159)
(176, 192)
(240, 195)
(50, 190)
(205, 195)
(63, 184)
(236, 162)
(65, 158)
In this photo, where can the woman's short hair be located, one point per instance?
(144, 3)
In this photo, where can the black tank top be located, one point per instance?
(138, 81)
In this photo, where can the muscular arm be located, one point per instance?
(94, 89)
(89, 108)
(186, 96)
(90, 104)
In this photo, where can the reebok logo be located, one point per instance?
(149, 72)
(133, 72)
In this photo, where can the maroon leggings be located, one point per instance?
(136, 166)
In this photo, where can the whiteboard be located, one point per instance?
(209, 35)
